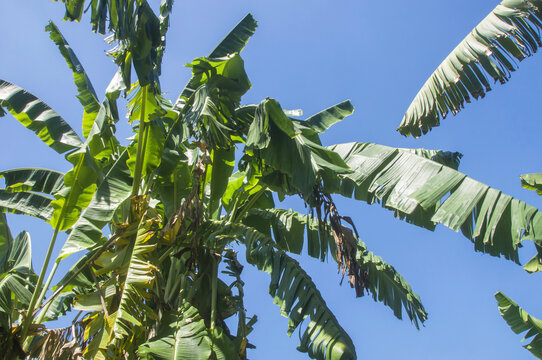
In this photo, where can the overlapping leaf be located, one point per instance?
(425, 193)
(510, 32)
(298, 298)
(292, 149)
(233, 43)
(113, 190)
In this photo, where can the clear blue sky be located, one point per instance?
(311, 55)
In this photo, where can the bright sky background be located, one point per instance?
(311, 55)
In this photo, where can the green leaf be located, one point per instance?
(218, 175)
(184, 336)
(27, 203)
(86, 94)
(78, 190)
(153, 138)
(301, 159)
(426, 193)
(297, 296)
(510, 32)
(386, 285)
(324, 119)
(74, 9)
(113, 190)
(389, 287)
(532, 182)
(233, 43)
(135, 286)
(37, 116)
(33, 179)
(520, 321)
(289, 229)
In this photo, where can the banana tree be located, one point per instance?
(159, 220)
(511, 32)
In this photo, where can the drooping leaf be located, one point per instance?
(86, 94)
(290, 228)
(520, 321)
(295, 293)
(389, 287)
(426, 193)
(447, 158)
(510, 32)
(38, 117)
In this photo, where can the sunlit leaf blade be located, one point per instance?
(113, 190)
(77, 192)
(33, 179)
(426, 193)
(27, 203)
(233, 43)
(86, 94)
(37, 116)
(184, 336)
(532, 182)
(520, 321)
(510, 32)
(324, 119)
(218, 174)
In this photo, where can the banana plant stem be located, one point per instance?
(37, 291)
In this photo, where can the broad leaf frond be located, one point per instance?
(510, 32)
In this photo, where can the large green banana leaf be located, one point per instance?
(33, 179)
(22, 191)
(289, 229)
(184, 336)
(510, 32)
(37, 116)
(425, 193)
(86, 94)
(298, 298)
(233, 43)
(113, 190)
(519, 321)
